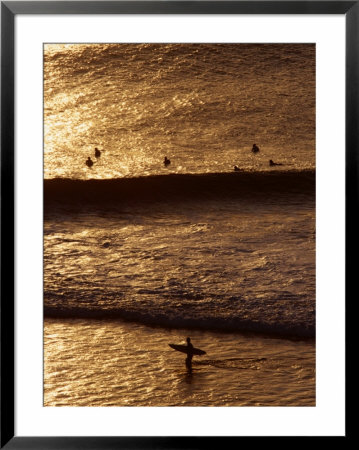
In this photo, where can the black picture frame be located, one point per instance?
(9, 9)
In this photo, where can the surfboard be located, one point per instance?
(184, 349)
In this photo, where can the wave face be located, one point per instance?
(164, 188)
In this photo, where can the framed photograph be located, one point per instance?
(178, 185)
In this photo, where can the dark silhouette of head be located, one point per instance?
(188, 340)
(89, 162)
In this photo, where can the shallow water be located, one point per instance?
(114, 363)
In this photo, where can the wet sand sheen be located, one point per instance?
(114, 363)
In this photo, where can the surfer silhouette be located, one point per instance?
(166, 161)
(272, 163)
(89, 162)
(97, 152)
(189, 355)
(189, 350)
(255, 148)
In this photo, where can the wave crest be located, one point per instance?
(225, 324)
(179, 186)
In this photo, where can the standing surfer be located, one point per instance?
(189, 355)
(189, 350)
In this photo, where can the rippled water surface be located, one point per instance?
(138, 254)
(201, 105)
(220, 264)
(104, 363)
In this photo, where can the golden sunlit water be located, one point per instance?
(104, 363)
(201, 105)
(139, 254)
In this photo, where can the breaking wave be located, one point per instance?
(179, 186)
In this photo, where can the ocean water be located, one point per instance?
(116, 363)
(202, 106)
(138, 254)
